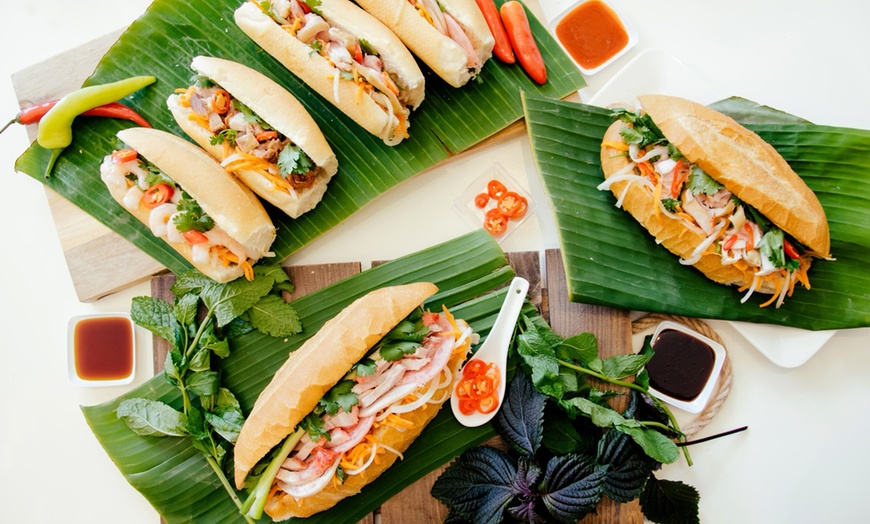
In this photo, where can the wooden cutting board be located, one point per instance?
(101, 262)
(415, 505)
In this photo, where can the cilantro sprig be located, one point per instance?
(643, 131)
(210, 414)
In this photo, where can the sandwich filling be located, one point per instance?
(402, 373)
(733, 230)
(435, 13)
(352, 58)
(173, 214)
(249, 143)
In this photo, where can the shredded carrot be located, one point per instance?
(777, 282)
(199, 119)
(398, 422)
(621, 146)
(184, 98)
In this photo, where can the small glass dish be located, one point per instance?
(607, 18)
(685, 366)
(101, 349)
(474, 215)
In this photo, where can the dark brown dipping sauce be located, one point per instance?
(681, 364)
(103, 348)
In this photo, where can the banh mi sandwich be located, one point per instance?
(258, 131)
(187, 199)
(449, 36)
(715, 194)
(349, 402)
(344, 54)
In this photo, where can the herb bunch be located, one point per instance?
(210, 415)
(559, 466)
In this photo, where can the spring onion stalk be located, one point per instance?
(256, 501)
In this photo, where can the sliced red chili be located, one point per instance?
(465, 389)
(495, 189)
(481, 200)
(468, 406)
(483, 386)
(495, 222)
(790, 250)
(681, 173)
(195, 237)
(156, 195)
(473, 368)
(357, 53)
(512, 205)
(124, 155)
(750, 244)
(220, 102)
(488, 404)
(729, 243)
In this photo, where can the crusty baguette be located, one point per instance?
(280, 110)
(232, 206)
(316, 72)
(319, 364)
(745, 164)
(444, 56)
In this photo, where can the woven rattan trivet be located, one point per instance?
(723, 386)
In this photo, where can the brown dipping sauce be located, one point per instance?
(681, 364)
(103, 348)
(591, 33)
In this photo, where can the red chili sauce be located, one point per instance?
(103, 348)
(681, 364)
(591, 33)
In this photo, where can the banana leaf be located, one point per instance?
(611, 260)
(470, 271)
(163, 42)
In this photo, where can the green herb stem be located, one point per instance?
(189, 351)
(630, 385)
(256, 501)
(226, 484)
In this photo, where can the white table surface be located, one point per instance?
(804, 458)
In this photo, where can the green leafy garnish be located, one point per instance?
(292, 160)
(643, 131)
(671, 204)
(367, 48)
(250, 116)
(191, 216)
(700, 182)
(210, 414)
(225, 135)
(339, 397)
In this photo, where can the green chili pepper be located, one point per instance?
(55, 128)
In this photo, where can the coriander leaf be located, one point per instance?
(185, 308)
(571, 487)
(154, 315)
(152, 418)
(189, 282)
(203, 383)
(670, 502)
(250, 115)
(521, 418)
(275, 317)
(671, 204)
(226, 418)
(339, 397)
(313, 425)
(228, 301)
(630, 135)
(621, 366)
(365, 367)
(582, 348)
(478, 486)
(224, 135)
(293, 160)
(191, 216)
(628, 467)
(700, 182)
(393, 351)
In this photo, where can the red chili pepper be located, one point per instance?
(516, 22)
(34, 114)
(357, 53)
(481, 200)
(495, 222)
(512, 205)
(195, 237)
(473, 368)
(123, 156)
(502, 48)
(750, 244)
(790, 250)
(681, 173)
(729, 243)
(156, 195)
(495, 189)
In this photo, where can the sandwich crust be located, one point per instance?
(319, 364)
(745, 164)
(444, 56)
(232, 206)
(316, 72)
(278, 108)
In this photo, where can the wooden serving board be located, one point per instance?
(415, 505)
(100, 262)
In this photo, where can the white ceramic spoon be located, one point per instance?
(495, 349)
